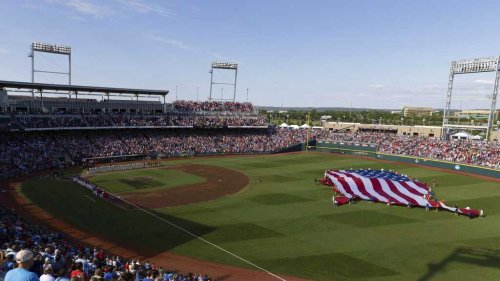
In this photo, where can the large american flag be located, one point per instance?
(381, 186)
(387, 187)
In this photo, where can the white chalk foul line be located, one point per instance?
(201, 238)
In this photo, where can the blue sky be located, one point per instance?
(378, 54)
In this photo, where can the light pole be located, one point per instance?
(176, 91)
(247, 94)
(350, 111)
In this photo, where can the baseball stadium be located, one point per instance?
(107, 182)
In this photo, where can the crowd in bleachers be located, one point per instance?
(33, 252)
(24, 153)
(128, 120)
(51, 122)
(6, 124)
(472, 152)
(219, 122)
(191, 106)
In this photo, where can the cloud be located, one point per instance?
(482, 81)
(363, 94)
(172, 42)
(376, 86)
(85, 7)
(142, 7)
(101, 9)
(194, 8)
(220, 57)
(32, 6)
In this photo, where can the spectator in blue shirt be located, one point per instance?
(24, 259)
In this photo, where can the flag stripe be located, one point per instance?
(352, 186)
(418, 198)
(394, 189)
(373, 187)
(361, 187)
(344, 189)
(417, 188)
(395, 197)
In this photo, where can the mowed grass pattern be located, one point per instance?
(144, 180)
(286, 223)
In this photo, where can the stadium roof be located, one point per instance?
(74, 88)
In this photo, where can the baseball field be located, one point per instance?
(268, 211)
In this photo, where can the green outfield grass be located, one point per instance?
(288, 225)
(144, 180)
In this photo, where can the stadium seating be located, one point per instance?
(212, 120)
(55, 256)
(194, 106)
(27, 152)
(473, 152)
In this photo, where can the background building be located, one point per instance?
(476, 114)
(417, 111)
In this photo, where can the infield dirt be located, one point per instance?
(219, 183)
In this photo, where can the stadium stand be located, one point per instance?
(210, 106)
(201, 120)
(473, 152)
(27, 152)
(53, 256)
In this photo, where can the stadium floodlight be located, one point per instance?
(51, 48)
(224, 65)
(477, 65)
(487, 64)
(231, 66)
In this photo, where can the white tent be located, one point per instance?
(284, 125)
(465, 136)
(305, 126)
(461, 136)
(295, 127)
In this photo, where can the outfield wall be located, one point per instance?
(335, 147)
(441, 164)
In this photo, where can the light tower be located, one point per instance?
(52, 49)
(477, 65)
(223, 66)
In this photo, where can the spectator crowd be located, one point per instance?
(24, 153)
(474, 152)
(128, 120)
(27, 152)
(191, 106)
(30, 252)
